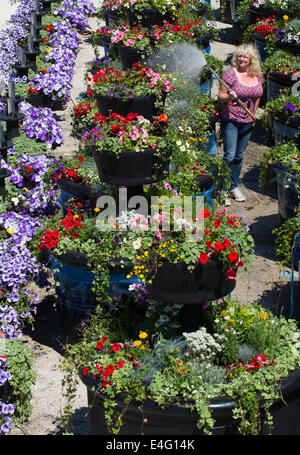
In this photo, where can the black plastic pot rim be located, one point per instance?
(221, 407)
(80, 260)
(284, 79)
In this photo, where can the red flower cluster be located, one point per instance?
(109, 369)
(71, 222)
(256, 363)
(49, 240)
(82, 110)
(225, 249)
(267, 27)
(32, 91)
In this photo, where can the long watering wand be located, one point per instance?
(226, 86)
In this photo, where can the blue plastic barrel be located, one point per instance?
(212, 144)
(207, 195)
(75, 296)
(206, 87)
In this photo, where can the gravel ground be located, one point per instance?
(263, 284)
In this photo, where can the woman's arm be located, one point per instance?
(224, 96)
(256, 105)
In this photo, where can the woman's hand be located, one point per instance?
(232, 95)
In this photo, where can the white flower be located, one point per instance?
(15, 200)
(137, 244)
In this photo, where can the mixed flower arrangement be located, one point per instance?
(282, 62)
(285, 157)
(187, 369)
(126, 85)
(117, 134)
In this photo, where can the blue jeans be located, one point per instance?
(236, 136)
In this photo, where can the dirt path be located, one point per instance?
(260, 210)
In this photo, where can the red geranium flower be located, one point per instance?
(230, 275)
(233, 256)
(116, 347)
(203, 258)
(85, 371)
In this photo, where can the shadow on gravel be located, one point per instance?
(79, 423)
(261, 230)
(46, 331)
(278, 300)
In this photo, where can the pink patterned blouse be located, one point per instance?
(232, 110)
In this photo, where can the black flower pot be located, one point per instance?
(260, 43)
(142, 105)
(277, 81)
(203, 42)
(288, 193)
(293, 48)
(112, 17)
(77, 189)
(146, 17)
(175, 283)
(285, 128)
(256, 13)
(180, 420)
(129, 56)
(38, 100)
(130, 168)
(206, 180)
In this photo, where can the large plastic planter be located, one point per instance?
(130, 168)
(142, 105)
(175, 283)
(284, 130)
(288, 194)
(275, 82)
(180, 421)
(75, 297)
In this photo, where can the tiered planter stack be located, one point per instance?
(110, 269)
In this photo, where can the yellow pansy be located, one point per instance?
(10, 231)
(96, 209)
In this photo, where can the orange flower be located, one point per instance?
(162, 118)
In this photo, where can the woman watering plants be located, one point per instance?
(240, 101)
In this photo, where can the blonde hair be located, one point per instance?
(249, 50)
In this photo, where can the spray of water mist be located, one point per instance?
(184, 62)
